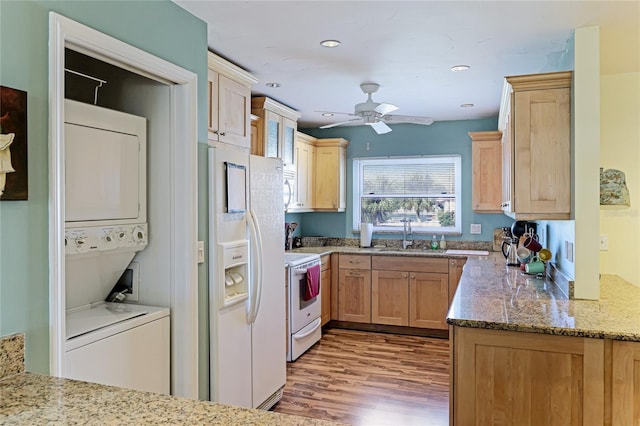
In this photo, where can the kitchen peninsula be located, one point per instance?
(34, 399)
(524, 353)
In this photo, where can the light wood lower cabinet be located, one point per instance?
(625, 383)
(428, 300)
(455, 272)
(390, 297)
(354, 288)
(513, 378)
(325, 288)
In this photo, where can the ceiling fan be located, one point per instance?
(376, 114)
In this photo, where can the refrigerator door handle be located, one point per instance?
(256, 288)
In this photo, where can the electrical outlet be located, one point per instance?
(200, 251)
(569, 250)
(134, 294)
(604, 242)
(476, 228)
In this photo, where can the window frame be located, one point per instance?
(359, 163)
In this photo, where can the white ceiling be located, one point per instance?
(408, 47)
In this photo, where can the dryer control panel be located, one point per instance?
(104, 238)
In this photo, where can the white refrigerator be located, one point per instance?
(246, 278)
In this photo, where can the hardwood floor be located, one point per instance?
(366, 378)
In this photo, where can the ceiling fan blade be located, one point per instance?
(334, 112)
(380, 127)
(385, 108)
(328, 126)
(412, 119)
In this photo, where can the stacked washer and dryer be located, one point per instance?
(112, 342)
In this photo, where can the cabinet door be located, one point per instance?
(514, 378)
(455, 272)
(304, 175)
(272, 130)
(428, 300)
(354, 298)
(327, 178)
(507, 164)
(542, 151)
(486, 155)
(234, 112)
(390, 297)
(625, 386)
(212, 105)
(289, 128)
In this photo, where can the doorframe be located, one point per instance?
(64, 32)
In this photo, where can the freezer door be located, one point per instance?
(268, 330)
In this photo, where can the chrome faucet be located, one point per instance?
(406, 230)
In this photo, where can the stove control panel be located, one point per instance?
(105, 238)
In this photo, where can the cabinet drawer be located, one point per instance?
(414, 264)
(325, 262)
(350, 261)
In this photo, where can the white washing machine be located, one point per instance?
(119, 344)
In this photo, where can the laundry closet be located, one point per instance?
(117, 160)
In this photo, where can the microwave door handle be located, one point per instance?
(256, 288)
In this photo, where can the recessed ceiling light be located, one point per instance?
(327, 114)
(274, 85)
(330, 43)
(466, 106)
(460, 68)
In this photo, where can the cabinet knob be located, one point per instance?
(215, 132)
(404, 275)
(223, 133)
(413, 277)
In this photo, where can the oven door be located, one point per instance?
(302, 312)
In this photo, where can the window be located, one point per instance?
(423, 190)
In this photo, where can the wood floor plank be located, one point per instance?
(367, 378)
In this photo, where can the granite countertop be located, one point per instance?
(493, 296)
(33, 399)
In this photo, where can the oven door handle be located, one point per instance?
(256, 287)
(315, 327)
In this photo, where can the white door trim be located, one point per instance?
(64, 32)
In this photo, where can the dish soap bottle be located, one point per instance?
(434, 243)
(443, 243)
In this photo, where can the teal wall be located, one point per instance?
(24, 37)
(445, 137)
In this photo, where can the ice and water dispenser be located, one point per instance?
(234, 262)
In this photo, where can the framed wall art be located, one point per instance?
(13, 144)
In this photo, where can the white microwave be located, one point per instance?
(105, 166)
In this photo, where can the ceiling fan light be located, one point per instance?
(330, 43)
(458, 68)
(273, 85)
(327, 114)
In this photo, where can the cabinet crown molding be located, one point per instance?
(552, 80)
(262, 102)
(485, 136)
(224, 67)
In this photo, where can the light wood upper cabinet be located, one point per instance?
(331, 175)
(486, 160)
(279, 125)
(304, 158)
(537, 110)
(229, 102)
